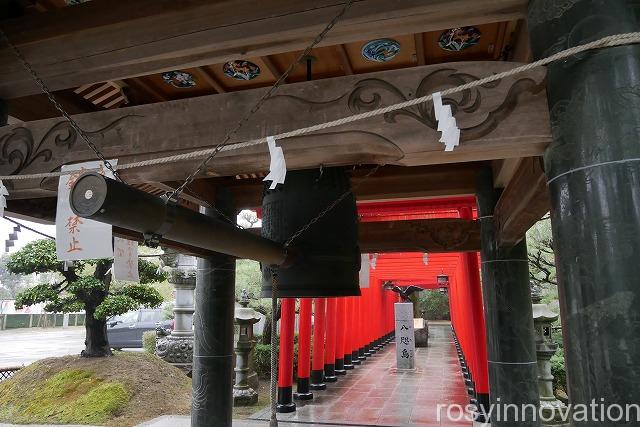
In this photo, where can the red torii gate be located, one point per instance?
(347, 330)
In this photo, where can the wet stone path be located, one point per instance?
(374, 395)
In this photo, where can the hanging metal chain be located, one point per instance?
(256, 107)
(45, 89)
(273, 422)
(329, 208)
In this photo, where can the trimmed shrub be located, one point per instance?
(262, 360)
(149, 341)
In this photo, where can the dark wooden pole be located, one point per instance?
(212, 403)
(593, 171)
(509, 320)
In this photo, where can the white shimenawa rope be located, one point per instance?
(609, 41)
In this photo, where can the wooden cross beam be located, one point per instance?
(506, 119)
(522, 203)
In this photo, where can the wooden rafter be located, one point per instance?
(344, 59)
(155, 94)
(210, 79)
(420, 53)
(149, 36)
(268, 61)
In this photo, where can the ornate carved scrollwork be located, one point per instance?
(175, 349)
(373, 93)
(367, 96)
(447, 236)
(19, 148)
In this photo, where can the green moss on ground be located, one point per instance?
(72, 396)
(122, 390)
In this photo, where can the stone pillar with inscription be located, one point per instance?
(405, 340)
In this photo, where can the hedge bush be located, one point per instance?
(262, 360)
(149, 341)
(557, 363)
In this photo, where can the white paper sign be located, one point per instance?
(364, 270)
(125, 260)
(405, 337)
(80, 238)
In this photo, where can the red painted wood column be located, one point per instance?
(317, 358)
(285, 362)
(348, 332)
(304, 351)
(340, 335)
(362, 330)
(355, 329)
(365, 313)
(476, 309)
(330, 342)
(370, 320)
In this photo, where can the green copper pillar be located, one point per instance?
(593, 172)
(212, 402)
(511, 353)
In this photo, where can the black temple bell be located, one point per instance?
(325, 258)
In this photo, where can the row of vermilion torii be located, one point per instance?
(345, 331)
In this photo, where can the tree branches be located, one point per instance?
(542, 267)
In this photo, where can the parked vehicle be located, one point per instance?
(125, 330)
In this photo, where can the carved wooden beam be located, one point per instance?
(106, 40)
(504, 119)
(425, 235)
(388, 183)
(428, 235)
(522, 203)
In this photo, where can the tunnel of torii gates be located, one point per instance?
(345, 331)
(560, 139)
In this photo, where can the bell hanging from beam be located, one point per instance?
(325, 258)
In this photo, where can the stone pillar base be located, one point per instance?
(176, 350)
(245, 396)
(555, 411)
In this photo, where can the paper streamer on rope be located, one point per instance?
(277, 166)
(125, 260)
(80, 238)
(3, 198)
(446, 123)
(364, 270)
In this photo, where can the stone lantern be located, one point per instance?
(177, 348)
(245, 318)
(543, 318)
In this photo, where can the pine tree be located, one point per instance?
(82, 290)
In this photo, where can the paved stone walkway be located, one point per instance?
(374, 395)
